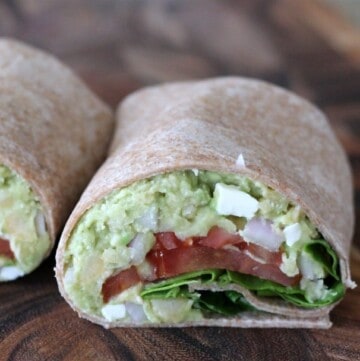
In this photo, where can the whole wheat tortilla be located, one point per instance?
(285, 142)
(54, 131)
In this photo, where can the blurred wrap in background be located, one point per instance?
(117, 46)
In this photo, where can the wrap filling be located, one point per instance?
(24, 240)
(170, 249)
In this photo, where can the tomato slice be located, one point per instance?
(5, 249)
(173, 262)
(171, 256)
(264, 254)
(167, 240)
(119, 282)
(218, 237)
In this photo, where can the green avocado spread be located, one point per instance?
(190, 203)
(24, 240)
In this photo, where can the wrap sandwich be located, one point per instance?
(53, 135)
(222, 202)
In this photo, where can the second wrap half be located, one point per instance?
(54, 133)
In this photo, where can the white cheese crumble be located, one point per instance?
(292, 233)
(240, 161)
(229, 200)
(310, 269)
(288, 265)
(113, 312)
(314, 289)
(69, 275)
(10, 273)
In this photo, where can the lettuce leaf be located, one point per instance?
(232, 302)
(293, 295)
(174, 287)
(322, 252)
(226, 303)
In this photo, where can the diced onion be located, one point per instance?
(146, 271)
(136, 312)
(171, 309)
(149, 220)
(40, 224)
(261, 232)
(140, 246)
(188, 210)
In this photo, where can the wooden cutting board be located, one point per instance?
(118, 46)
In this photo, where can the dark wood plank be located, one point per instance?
(119, 46)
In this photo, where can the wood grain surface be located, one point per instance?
(118, 46)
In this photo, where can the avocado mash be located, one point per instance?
(195, 217)
(22, 227)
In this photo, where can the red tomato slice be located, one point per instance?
(167, 240)
(119, 282)
(170, 257)
(264, 254)
(173, 262)
(218, 237)
(5, 249)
